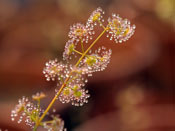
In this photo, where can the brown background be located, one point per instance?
(135, 92)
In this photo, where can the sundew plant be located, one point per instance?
(72, 77)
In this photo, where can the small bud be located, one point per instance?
(96, 15)
(53, 69)
(39, 96)
(57, 124)
(80, 32)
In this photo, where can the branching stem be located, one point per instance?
(67, 79)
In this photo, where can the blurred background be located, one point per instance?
(135, 93)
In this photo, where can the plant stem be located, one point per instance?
(53, 100)
(101, 24)
(65, 82)
(90, 47)
(78, 52)
(82, 47)
(35, 128)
